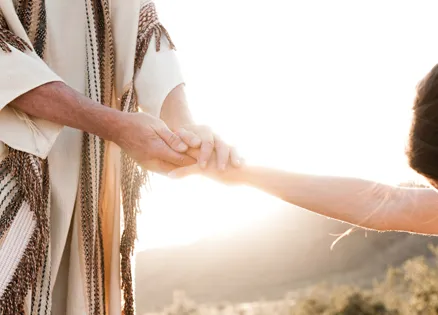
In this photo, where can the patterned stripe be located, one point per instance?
(100, 65)
(134, 177)
(31, 175)
(92, 55)
(89, 180)
(39, 43)
(8, 38)
(24, 179)
(10, 211)
(32, 14)
(14, 245)
(41, 299)
(7, 191)
(104, 47)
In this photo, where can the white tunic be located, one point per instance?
(66, 61)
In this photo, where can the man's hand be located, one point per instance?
(145, 138)
(150, 142)
(211, 146)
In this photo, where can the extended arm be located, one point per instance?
(357, 201)
(360, 202)
(58, 103)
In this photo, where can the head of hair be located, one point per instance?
(422, 149)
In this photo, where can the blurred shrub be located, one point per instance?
(411, 289)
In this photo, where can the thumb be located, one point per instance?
(182, 172)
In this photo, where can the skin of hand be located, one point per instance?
(231, 176)
(153, 145)
(144, 137)
(210, 145)
(176, 114)
(360, 202)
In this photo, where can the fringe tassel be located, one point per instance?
(133, 179)
(32, 175)
(133, 176)
(149, 26)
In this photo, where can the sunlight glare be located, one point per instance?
(322, 87)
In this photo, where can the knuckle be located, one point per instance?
(173, 138)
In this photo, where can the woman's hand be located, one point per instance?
(231, 175)
(210, 146)
(176, 114)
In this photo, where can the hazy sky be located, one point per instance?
(313, 86)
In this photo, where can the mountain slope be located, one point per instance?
(289, 251)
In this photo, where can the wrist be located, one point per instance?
(115, 125)
(238, 175)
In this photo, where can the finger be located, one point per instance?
(222, 154)
(207, 148)
(190, 138)
(194, 153)
(160, 167)
(235, 158)
(166, 154)
(185, 171)
(171, 139)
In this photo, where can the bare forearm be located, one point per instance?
(175, 111)
(61, 104)
(356, 201)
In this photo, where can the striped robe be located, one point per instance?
(121, 56)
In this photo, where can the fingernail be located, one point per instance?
(222, 168)
(238, 162)
(182, 146)
(171, 175)
(203, 164)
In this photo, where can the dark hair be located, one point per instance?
(422, 149)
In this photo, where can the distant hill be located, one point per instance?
(289, 251)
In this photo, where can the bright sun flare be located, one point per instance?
(312, 86)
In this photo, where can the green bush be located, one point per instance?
(411, 289)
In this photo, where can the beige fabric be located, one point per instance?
(22, 72)
(156, 75)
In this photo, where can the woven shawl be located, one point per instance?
(25, 180)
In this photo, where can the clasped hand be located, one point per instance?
(155, 147)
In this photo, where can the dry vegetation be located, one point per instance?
(411, 289)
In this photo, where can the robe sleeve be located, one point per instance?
(21, 71)
(160, 70)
